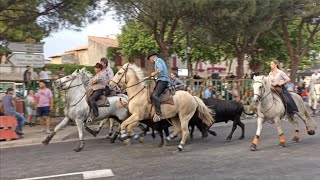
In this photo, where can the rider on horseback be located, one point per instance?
(162, 82)
(108, 73)
(315, 76)
(97, 84)
(279, 79)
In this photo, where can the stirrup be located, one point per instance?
(156, 117)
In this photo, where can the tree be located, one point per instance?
(169, 21)
(240, 24)
(300, 22)
(136, 40)
(46, 15)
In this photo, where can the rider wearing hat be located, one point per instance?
(279, 78)
(97, 84)
(162, 82)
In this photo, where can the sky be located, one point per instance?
(64, 40)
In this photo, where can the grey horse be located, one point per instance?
(271, 108)
(77, 108)
(314, 96)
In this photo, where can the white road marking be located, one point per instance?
(97, 174)
(86, 174)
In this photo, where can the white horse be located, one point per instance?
(271, 108)
(130, 77)
(77, 108)
(314, 96)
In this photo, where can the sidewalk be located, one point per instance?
(33, 136)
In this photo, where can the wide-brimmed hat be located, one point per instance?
(98, 65)
(151, 53)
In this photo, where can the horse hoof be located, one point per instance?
(77, 149)
(127, 142)
(253, 147)
(311, 132)
(229, 139)
(45, 142)
(140, 140)
(295, 139)
(180, 147)
(112, 141)
(282, 144)
(175, 151)
(124, 137)
(136, 137)
(242, 137)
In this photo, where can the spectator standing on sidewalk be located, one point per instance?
(9, 108)
(31, 108)
(27, 77)
(44, 106)
(208, 92)
(45, 75)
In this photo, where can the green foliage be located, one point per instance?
(136, 40)
(37, 18)
(68, 68)
(112, 54)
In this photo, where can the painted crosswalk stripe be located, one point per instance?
(86, 175)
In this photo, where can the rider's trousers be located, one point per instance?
(291, 105)
(93, 101)
(160, 87)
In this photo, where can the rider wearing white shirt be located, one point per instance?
(316, 75)
(279, 78)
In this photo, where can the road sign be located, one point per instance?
(22, 59)
(25, 47)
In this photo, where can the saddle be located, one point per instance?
(103, 100)
(167, 95)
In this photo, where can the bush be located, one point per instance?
(68, 68)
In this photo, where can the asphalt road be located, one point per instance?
(212, 158)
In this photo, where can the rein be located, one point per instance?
(262, 98)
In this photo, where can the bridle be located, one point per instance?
(264, 90)
(125, 82)
(69, 87)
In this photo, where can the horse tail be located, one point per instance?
(309, 120)
(204, 112)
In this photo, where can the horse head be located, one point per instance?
(128, 72)
(260, 86)
(78, 77)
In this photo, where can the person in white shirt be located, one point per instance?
(45, 75)
(315, 76)
(108, 73)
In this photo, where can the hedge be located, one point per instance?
(68, 68)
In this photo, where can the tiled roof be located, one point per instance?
(77, 49)
(105, 41)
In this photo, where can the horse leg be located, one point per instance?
(184, 120)
(192, 130)
(123, 135)
(242, 129)
(280, 132)
(255, 141)
(80, 146)
(56, 129)
(111, 125)
(297, 135)
(115, 136)
(177, 128)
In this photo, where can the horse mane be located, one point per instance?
(135, 69)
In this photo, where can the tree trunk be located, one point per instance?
(294, 68)
(240, 68)
(165, 55)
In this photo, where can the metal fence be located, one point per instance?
(227, 89)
